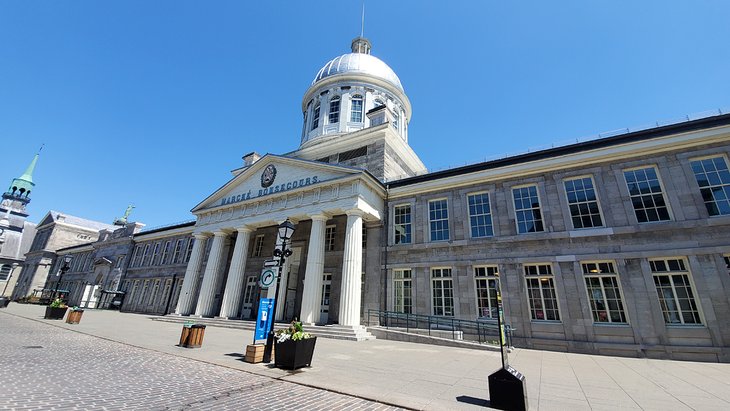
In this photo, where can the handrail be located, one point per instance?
(469, 330)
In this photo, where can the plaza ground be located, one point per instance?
(116, 360)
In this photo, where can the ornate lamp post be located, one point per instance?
(286, 230)
(66, 261)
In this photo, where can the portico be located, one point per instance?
(257, 199)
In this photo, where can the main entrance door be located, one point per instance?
(324, 308)
(248, 297)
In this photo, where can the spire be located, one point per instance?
(28, 175)
(21, 187)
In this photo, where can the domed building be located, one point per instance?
(616, 245)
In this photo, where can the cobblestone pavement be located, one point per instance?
(45, 367)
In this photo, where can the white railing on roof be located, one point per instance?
(146, 229)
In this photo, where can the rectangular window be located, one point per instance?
(329, 238)
(356, 110)
(438, 217)
(604, 292)
(156, 254)
(646, 195)
(177, 254)
(166, 252)
(258, 245)
(189, 251)
(487, 285)
(315, 118)
(442, 291)
(583, 203)
(146, 255)
(402, 291)
(674, 290)
(334, 116)
(137, 261)
(713, 178)
(120, 261)
(144, 293)
(480, 215)
(5, 271)
(364, 237)
(402, 224)
(527, 210)
(153, 294)
(541, 292)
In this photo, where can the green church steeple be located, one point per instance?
(21, 187)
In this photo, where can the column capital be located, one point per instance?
(244, 229)
(355, 212)
(201, 236)
(221, 233)
(319, 217)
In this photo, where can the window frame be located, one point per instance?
(353, 99)
(600, 275)
(316, 113)
(539, 209)
(408, 226)
(258, 245)
(661, 187)
(595, 200)
(189, 249)
(178, 250)
(488, 214)
(696, 301)
(493, 310)
(447, 230)
(330, 236)
(701, 188)
(399, 282)
(552, 283)
(164, 259)
(442, 279)
(334, 103)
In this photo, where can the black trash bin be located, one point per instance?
(507, 390)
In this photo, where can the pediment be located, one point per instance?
(272, 175)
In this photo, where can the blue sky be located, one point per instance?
(153, 103)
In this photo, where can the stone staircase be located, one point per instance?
(338, 332)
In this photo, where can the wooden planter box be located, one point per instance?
(192, 336)
(255, 353)
(295, 354)
(74, 316)
(55, 313)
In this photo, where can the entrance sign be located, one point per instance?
(266, 314)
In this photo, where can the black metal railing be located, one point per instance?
(484, 331)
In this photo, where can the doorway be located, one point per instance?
(248, 297)
(324, 308)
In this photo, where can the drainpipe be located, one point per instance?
(384, 300)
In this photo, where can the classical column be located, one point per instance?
(351, 270)
(212, 275)
(234, 285)
(311, 294)
(190, 281)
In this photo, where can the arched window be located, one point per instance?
(315, 117)
(334, 116)
(356, 110)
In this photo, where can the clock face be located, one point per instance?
(268, 176)
(268, 276)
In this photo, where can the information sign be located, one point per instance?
(266, 315)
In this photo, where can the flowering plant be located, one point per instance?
(58, 303)
(295, 332)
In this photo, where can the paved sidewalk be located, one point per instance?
(434, 377)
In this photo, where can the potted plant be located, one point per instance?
(56, 310)
(294, 347)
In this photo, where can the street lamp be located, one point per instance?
(66, 261)
(286, 230)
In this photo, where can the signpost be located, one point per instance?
(507, 386)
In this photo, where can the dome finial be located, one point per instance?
(361, 45)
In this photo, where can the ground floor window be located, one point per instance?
(604, 292)
(5, 272)
(442, 291)
(541, 292)
(674, 289)
(403, 291)
(486, 280)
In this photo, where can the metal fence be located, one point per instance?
(480, 331)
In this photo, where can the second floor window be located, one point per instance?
(329, 238)
(438, 218)
(480, 215)
(191, 243)
(177, 255)
(402, 224)
(166, 252)
(646, 195)
(356, 109)
(583, 203)
(334, 114)
(527, 210)
(713, 178)
(315, 117)
(258, 245)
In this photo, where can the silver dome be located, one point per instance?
(358, 63)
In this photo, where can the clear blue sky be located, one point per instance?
(154, 102)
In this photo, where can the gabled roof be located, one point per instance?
(52, 217)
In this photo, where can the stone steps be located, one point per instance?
(338, 332)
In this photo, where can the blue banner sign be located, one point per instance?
(266, 314)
